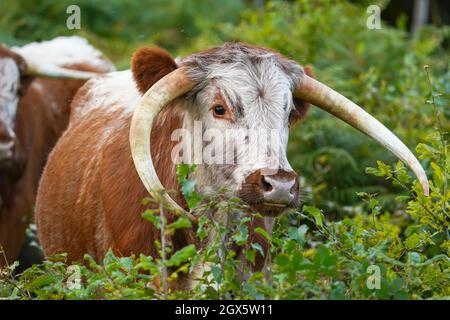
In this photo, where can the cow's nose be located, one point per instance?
(280, 188)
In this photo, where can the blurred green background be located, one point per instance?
(381, 69)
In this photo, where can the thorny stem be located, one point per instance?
(413, 196)
(442, 158)
(224, 249)
(11, 279)
(442, 155)
(163, 247)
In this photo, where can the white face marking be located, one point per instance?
(260, 97)
(9, 86)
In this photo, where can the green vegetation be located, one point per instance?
(362, 208)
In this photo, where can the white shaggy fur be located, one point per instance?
(9, 85)
(113, 92)
(64, 51)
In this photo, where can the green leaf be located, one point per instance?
(182, 172)
(263, 232)
(412, 241)
(187, 185)
(250, 255)
(426, 151)
(317, 215)
(201, 230)
(147, 263)
(217, 273)
(153, 217)
(414, 258)
(180, 223)
(258, 248)
(439, 176)
(181, 256)
(41, 281)
(241, 235)
(282, 260)
(298, 234)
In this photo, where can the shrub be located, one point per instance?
(355, 229)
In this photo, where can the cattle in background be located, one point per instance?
(34, 112)
(90, 194)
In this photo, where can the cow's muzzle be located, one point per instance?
(270, 194)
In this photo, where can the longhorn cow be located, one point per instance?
(120, 145)
(37, 84)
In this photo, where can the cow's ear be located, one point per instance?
(149, 65)
(301, 107)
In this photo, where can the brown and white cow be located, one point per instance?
(34, 111)
(90, 194)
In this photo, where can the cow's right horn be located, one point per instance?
(333, 102)
(56, 72)
(152, 102)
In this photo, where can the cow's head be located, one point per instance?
(241, 87)
(16, 73)
(12, 84)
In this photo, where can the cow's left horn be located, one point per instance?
(333, 102)
(56, 72)
(154, 100)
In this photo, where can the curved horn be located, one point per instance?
(333, 102)
(154, 100)
(56, 72)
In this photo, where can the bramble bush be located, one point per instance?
(311, 257)
(354, 227)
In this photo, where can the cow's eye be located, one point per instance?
(219, 111)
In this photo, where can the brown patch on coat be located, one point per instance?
(93, 202)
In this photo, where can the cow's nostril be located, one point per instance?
(266, 186)
(278, 189)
